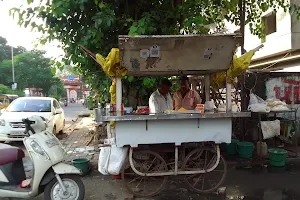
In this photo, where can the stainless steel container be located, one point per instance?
(99, 112)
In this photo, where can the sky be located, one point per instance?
(20, 36)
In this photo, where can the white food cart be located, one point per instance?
(194, 137)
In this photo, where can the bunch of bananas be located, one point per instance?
(169, 111)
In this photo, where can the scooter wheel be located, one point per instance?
(74, 186)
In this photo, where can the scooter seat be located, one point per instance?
(9, 154)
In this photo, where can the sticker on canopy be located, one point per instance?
(154, 51)
(208, 53)
(144, 53)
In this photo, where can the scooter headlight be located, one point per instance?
(38, 149)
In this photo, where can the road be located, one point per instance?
(72, 111)
(240, 185)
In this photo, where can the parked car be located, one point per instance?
(11, 125)
(6, 99)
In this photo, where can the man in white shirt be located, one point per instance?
(161, 100)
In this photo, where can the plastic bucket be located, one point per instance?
(277, 157)
(232, 147)
(82, 164)
(245, 149)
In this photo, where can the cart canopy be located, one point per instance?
(157, 55)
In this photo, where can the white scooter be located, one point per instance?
(51, 176)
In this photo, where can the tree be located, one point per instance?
(6, 90)
(57, 90)
(32, 69)
(5, 50)
(67, 70)
(97, 24)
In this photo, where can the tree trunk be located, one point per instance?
(132, 96)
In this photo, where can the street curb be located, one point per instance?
(85, 113)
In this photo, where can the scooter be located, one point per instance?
(51, 176)
(65, 103)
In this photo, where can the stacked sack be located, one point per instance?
(257, 104)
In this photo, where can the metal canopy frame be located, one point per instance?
(215, 49)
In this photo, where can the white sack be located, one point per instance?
(111, 158)
(104, 156)
(270, 128)
(280, 108)
(103, 160)
(274, 102)
(117, 159)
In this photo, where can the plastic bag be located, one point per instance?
(116, 159)
(239, 65)
(104, 156)
(111, 66)
(103, 160)
(254, 99)
(112, 158)
(270, 128)
(259, 107)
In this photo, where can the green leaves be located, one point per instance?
(32, 69)
(26, 24)
(81, 7)
(96, 25)
(146, 25)
(53, 71)
(149, 82)
(58, 65)
(101, 5)
(130, 79)
(133, 30)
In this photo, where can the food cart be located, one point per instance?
(193, 137)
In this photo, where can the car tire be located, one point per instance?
(62, 130)
(54, 130)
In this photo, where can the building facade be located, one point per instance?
(73, 86)
(281, 42)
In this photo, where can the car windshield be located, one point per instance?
(30, 105)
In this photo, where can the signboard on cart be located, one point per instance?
(185, 54)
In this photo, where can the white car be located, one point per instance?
(11, 125)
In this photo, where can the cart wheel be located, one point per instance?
(203, 159)
(145, 162)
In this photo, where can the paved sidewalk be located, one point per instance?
(79, 142)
